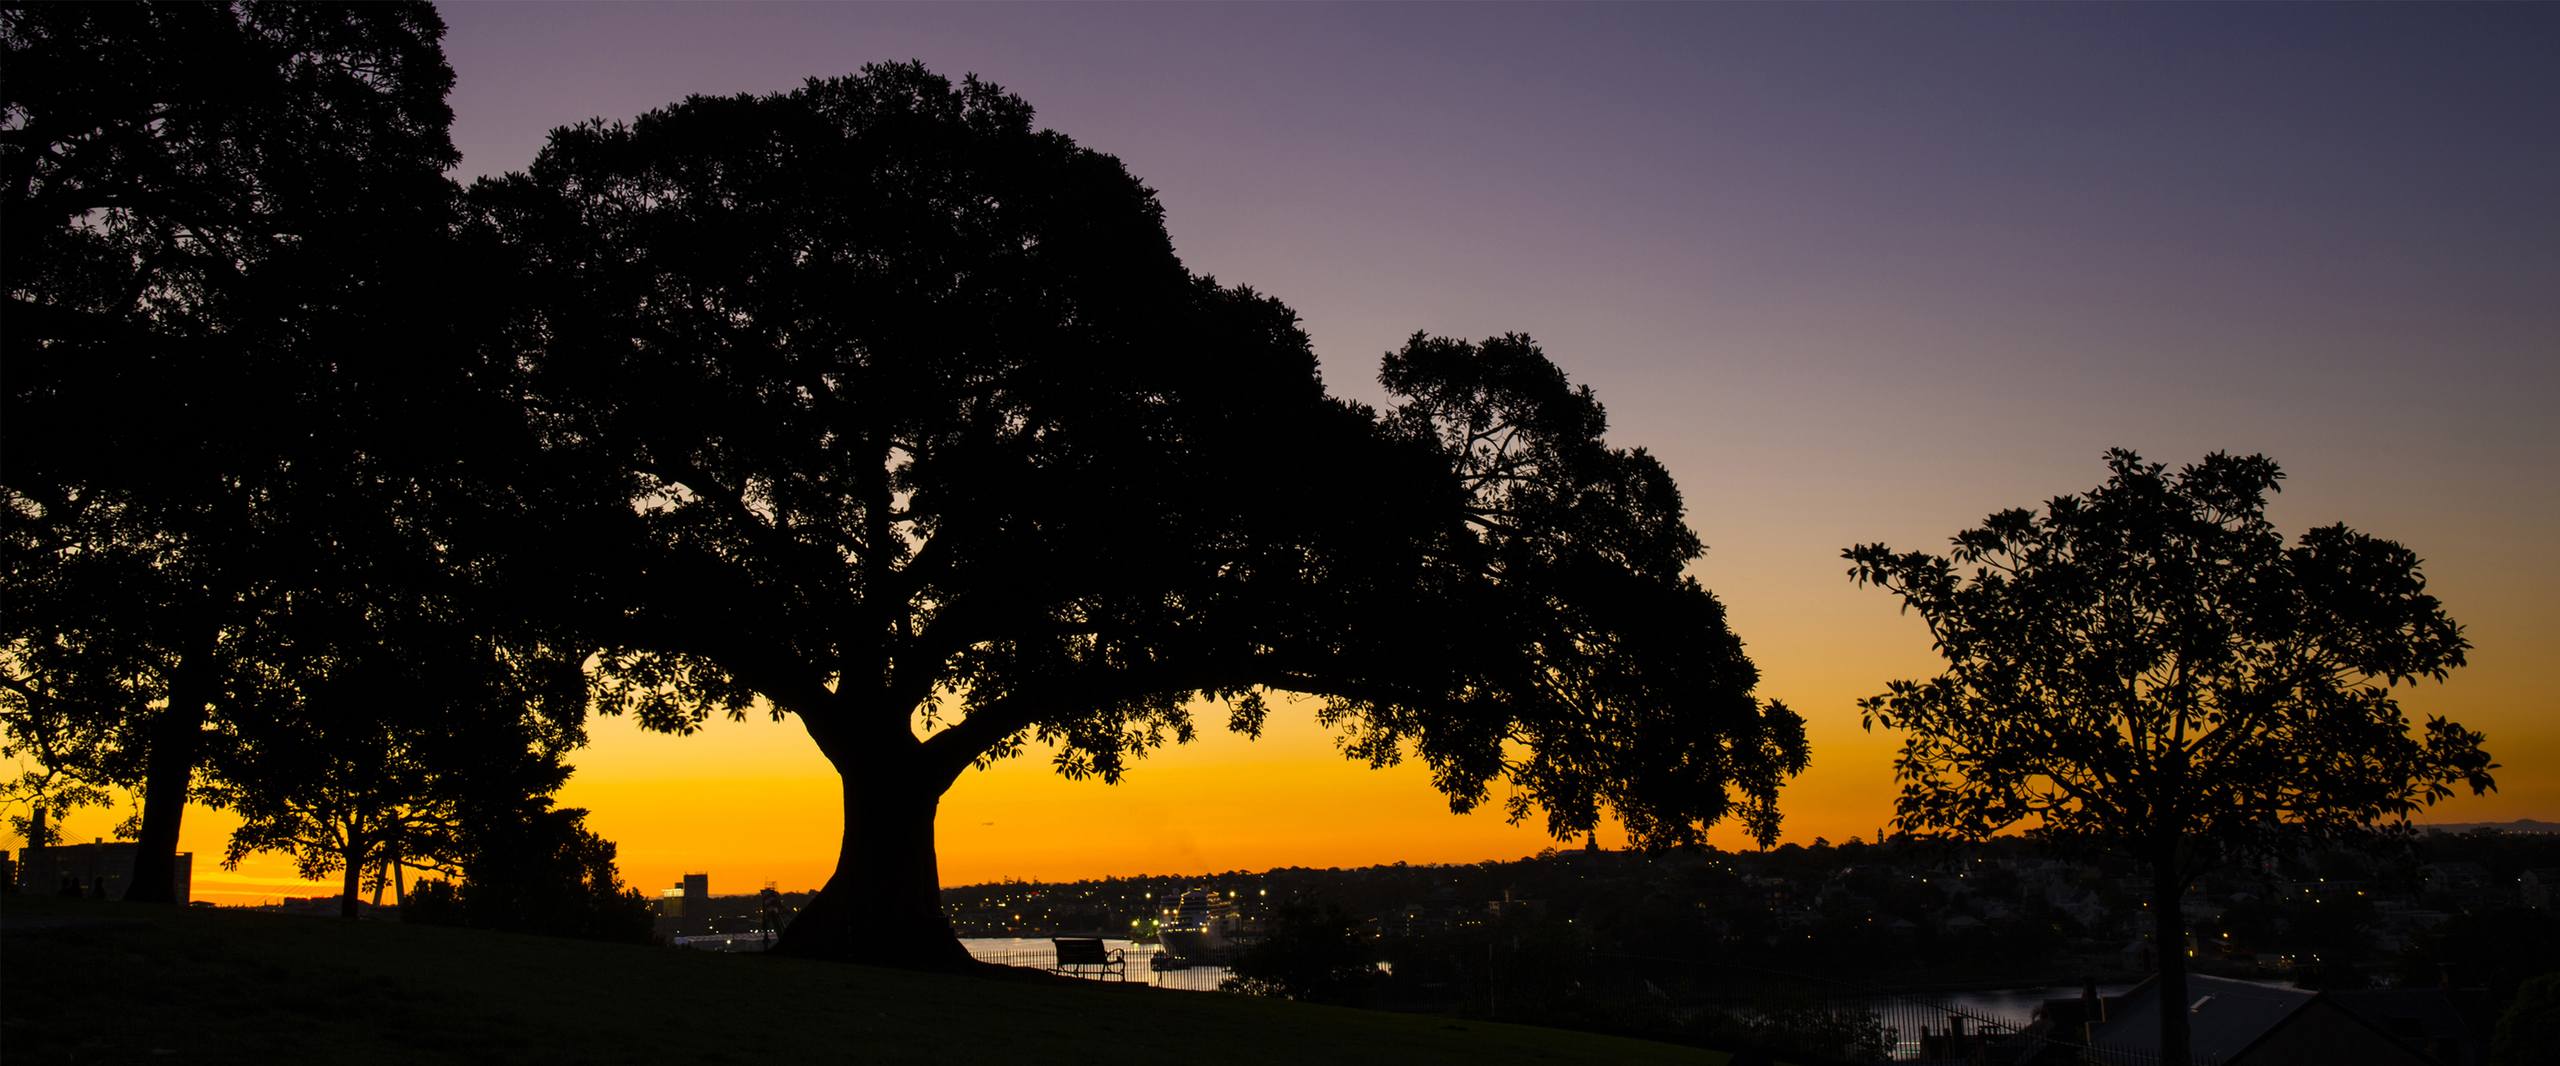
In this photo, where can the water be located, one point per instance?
(2015, 1004)
(2010, 1009)
(1039, 954)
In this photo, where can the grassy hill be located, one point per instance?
(90, 981)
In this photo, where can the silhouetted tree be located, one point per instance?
(546, 872)
(918, 422)
(529, 868)
(45, 787)
(369, 723)
(1578, 634)
(2150, 664)
(768, 913)
(2530, 1026)
(2498, 948)
(209, 211)
(432, 901)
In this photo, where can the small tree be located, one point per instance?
(2151, 666)
(546, 872)
(373, 727)
(768, 913)
(2530, 1028)
(529, 868)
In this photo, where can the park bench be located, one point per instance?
(1086, 957)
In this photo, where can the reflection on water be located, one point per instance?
(1037, 953)
(2017, 1005)
(2012, 1007)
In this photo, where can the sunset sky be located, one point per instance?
(1854, 272)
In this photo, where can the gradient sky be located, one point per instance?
(1854, 272)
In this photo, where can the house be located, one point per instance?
(2467, 883)
(2535, 888)
(2082, 905)
(2239, 1023)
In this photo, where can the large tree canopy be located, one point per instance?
(926, 437)
(2150, 664)
(213, 213)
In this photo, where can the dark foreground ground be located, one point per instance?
(93, 982)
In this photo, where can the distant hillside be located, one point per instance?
(2521, 825)
(94, 981)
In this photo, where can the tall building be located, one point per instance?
(684, 908)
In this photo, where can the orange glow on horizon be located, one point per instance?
(750, 802)
(754, 802)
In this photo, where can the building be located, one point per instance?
(98, 868)
(2240, 1023)
(2535, 888)
(684, 908)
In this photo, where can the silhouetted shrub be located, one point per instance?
(2530, 1029)
(542, 874)
(431, 903)
(1317, 954)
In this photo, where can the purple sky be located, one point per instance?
(1857, 272)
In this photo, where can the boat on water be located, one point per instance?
(1201, 928)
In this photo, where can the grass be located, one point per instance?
(91, 981)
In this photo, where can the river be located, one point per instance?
(2014, 1005)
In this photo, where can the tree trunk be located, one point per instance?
(350, 896)
(2169, 943)
(883, 904)
(169, 771)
